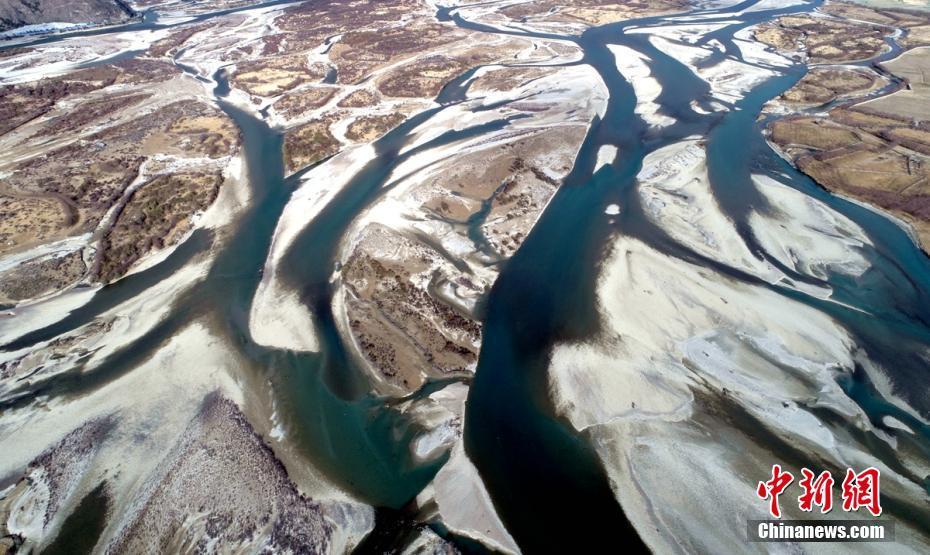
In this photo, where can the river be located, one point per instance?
(544, 478)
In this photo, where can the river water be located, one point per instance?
(544, 479)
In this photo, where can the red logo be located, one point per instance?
(858, 490)
(773, 488)
(817, 491)
(861, 490)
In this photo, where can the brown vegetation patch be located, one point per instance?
(157, 215)
(22, 103)
(69, 189)
(29, 220)
(360, 52)
(452, 207)
(506, 79)
(909, 137)
(89, 112)
(273, 76)
(914, 22)
(426, 76)
(84, 176)
(875, 159)
(36, 278)
(890, 178)
(359, 99)
(309, 23)
(816, 134)
(273, 44)
(15, 51)
(383, 44)
(308, 144)
(25, 102)
(170, 44)
(369, 128)
(132, 71)
(209, 134)
(823, 85)
(294, 104)
(402, 330)
(591, 12)
(824, 40)
(90, 175)
(369, 33)
(857, 118)
(329, 17)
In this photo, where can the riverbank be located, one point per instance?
(870, 147)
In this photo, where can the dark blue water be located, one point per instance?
(527, 457)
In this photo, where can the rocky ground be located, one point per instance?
(172, 461)
(50, 482)
(16, 13)
(222, 485)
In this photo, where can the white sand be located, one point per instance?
(672, 331)
(634, 68)
(465, 506)
(463, 503)
(66, 55)
(729, 79)
(675, 192)
(679, 338)
(797, 233)
(607, 154)
(277, 319)
(32, 317)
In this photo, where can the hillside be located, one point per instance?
(16, 13)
